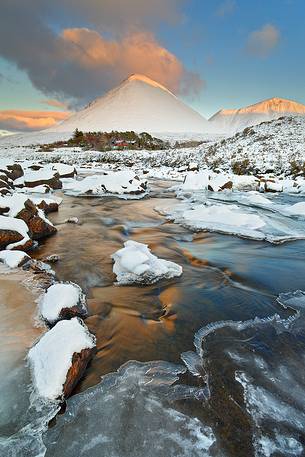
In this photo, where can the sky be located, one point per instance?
(57, 55)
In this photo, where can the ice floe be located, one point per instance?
(155, 427)
(247, 214)
(136, 264)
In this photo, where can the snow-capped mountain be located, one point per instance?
(233, 120)
(5, 133)
(138, 104)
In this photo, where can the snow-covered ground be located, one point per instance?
(271, 147)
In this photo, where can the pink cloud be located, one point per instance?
(30, 120)
(135, 53)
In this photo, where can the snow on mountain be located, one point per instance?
(138, 104)
(270, 146)
(5, 133)
(233, 120)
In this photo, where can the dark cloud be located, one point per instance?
(80, 63)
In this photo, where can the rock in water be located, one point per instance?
(136, 264)
(59, 359)
(39, 225)
(14, 234)
(63, 301)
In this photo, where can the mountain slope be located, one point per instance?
(138, 104)
(6, 133)
(269, 146)
(231, 121)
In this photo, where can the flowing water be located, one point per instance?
(186, 368)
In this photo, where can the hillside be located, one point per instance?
(272, 145)
(231, 121)
(138, 104)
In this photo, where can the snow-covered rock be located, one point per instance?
(116, 183)
(63, 301)
(12, 205)
(208, 180)
(13, 259)
(60, 357)
(64, 170)
(39, 177)
(71, 220)
(136, 264)
(14, 233)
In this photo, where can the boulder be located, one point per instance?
(193, 166)
(227, 185)
(8, 237)
(64, 170)
(38, 225)
(13, 259)
(58, 360)
(12, 171)
(14, 234)
(48, 207)
(63, 301)
(52, 181)
(42, 272)
(79, 364)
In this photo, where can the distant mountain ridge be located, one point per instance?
(138, 104)
(233, 120)
(6, 133)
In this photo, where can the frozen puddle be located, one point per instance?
(254, 217)
(128, 414)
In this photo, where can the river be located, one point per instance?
(243, 392)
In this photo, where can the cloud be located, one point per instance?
(81, 63)
(226, 7)
(54, 103)
(107, 62)
(261, 42)
(30, 120)
(120, 14)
